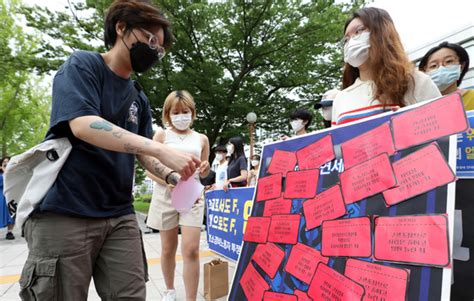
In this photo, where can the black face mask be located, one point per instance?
(142, 57)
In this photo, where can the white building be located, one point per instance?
(463, 37)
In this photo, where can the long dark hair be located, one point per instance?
(390, 66)
(238, 144)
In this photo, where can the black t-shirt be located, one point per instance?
(93, 182)
(234, 168)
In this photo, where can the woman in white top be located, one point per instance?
(378, 76)
(179, 112)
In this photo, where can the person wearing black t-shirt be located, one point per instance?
(86, 226)
(237, 166)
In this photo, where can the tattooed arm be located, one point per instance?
(99, 132)
(157, 171)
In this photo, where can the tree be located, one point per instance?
(236, 56)
(24, 103)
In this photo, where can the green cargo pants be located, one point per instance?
(65, 252)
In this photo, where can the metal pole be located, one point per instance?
(251, 125)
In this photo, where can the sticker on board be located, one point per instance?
(269, 187)
(368, 145)
(303, 262)
(381, 282)
(367, 179)
(439, 118)
(326, 205)
(328, 284)
(418, 173)
(256, 229)
(416, 239)
(268, 257)
(347, 237)
(301, 184)
(282, 162)
(316, 154)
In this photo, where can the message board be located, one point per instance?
(376, 230)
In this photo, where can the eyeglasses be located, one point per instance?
(356, 35)
(447, 61)
(153, 43)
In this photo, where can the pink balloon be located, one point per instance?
(185, 194)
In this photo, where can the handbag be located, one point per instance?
(30, 175)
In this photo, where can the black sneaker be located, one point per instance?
(10, 236)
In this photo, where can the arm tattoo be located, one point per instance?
(101, 125)
(129, 148)
(157, 168)
(119, 133)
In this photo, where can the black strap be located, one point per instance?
(134, 93)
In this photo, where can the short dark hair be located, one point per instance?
(220, 148)
(302, 113)
(135, 14)
(460, 51)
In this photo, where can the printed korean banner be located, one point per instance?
(364, 213)
(227, 214)
(465, 162)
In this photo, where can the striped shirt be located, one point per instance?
(356, 102)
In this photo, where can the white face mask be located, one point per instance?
(297, 125)
(220, 157)
(181, 121)
(444, 77)
(230, 149)
(356, 50)
(254, 163)
(326, 112)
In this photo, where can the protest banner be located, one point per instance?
(465, 159)
(394, 237)
(227, 215)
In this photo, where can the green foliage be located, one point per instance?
(234, 56)
(145, 198)
(141, 206)
(24, 104)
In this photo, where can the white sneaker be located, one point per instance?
(169, 295)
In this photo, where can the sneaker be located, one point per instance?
(10, 236)
(169, 295)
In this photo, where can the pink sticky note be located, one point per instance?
(277, 206)
(274, 296)
(328, 284)
(269, 257)
(256, 229)
(347, 237)
(253, 284)
(302, 296)
(436, 119)
(380, 282)
(282, 162)
(316, 154)
(368, 145)
(269, 187)
(303, 262)
(185, 194)
(284, 228)
(326, 205)
(367, 179)
(418, 173)
(301, 184)
(417, 239)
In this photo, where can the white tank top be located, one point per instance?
(190, 143)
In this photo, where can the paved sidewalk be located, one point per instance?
(13, 255)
